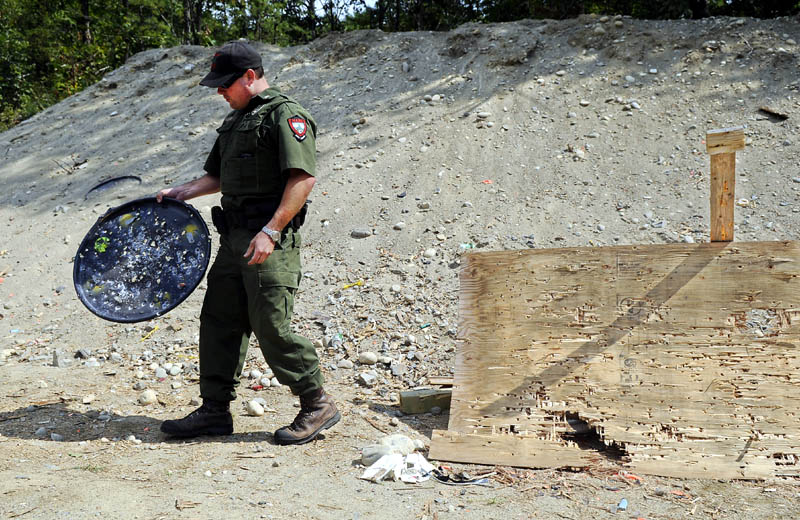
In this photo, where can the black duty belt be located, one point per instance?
(252, 216)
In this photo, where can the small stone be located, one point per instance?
(386, 360)
(429, 253)
(394, 421)
(56, 437)
(82, 353)
(360, 233)
(635, 105)
(59, 361)
(368, 358)
(561, 73)
(207, 473)
(396, 288)
(584, 103)
(275, 383)
(256, 373)
(41, 432)
(88, 398)
(371, 454)
(161, 373)
(435, 410)
(601, 227)
(688, 239)
(598, 29)
(367, 379)
(148, 397)
(174, 370)
(630, 79)
(400, 226)
(571, 115)
(653, 71)
(483, 115)
(254, 409)
(618, 23)
(175, 385)
(345, 363)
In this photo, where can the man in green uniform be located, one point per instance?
(264, 162)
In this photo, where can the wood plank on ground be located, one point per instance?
(683, 355)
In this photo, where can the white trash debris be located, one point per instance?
(412, 468)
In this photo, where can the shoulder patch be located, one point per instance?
(298, 126)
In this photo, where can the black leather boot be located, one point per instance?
(317, 412)
(212, 418)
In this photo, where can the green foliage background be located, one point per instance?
(51, 49)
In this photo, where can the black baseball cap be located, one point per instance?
(229, 62)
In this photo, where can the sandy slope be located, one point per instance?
(530, 134)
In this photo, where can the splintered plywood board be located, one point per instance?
(684, 356)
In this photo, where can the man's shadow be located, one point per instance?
(56, 422)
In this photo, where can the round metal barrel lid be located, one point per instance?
(141, 259)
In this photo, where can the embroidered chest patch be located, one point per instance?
(299, 127)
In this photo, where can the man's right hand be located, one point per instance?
(189, 190)
(172, 193)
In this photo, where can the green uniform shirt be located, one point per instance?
(258, 145)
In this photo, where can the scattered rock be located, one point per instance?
(367, 379)
(148, 397)
(361, 233)
(368, 358)
(254, 409)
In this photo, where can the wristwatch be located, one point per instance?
(271, 233)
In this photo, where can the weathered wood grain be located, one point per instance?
(685, 356)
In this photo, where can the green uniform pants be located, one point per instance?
(256, 298)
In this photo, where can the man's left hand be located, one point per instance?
(260, 248)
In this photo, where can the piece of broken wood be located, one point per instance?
(422, 401)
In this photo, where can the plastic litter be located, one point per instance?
(412, 468)
(460, 479)
(623, 504)
(354, 284)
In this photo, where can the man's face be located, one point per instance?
(237, 95)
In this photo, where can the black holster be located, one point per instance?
(219, 221)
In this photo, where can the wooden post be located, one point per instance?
(722, 145)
